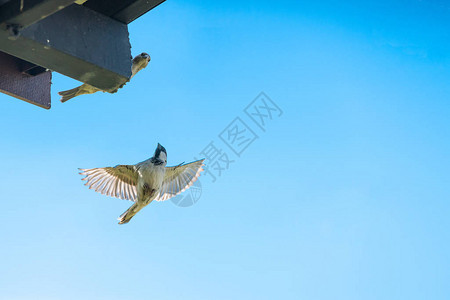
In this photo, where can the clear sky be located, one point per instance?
(344, 196)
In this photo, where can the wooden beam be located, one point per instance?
(135, 10)
(125, 11)
(77, 42)
(13, 82)
(23, 13)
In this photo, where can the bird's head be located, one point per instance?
(160, 156)
(145, 56)
(139, 62)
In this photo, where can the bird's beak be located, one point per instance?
(159, 146)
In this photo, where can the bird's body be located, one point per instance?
(139, 62)
(144, 182)
(151, 178)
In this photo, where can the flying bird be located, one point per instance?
(138, 63)
(143, 182)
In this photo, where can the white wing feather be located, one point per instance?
(179, 178)
(119, 181)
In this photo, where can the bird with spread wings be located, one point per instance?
(143, 182)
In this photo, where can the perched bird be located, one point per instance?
(143, 182)
(139, 63)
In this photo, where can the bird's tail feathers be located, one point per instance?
(129, 213)
(69, 94)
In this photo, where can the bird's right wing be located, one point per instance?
(119, 181)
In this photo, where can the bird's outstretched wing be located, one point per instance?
(119, 181)
(179, 178)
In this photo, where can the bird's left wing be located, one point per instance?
(179, 178)
(119, 181)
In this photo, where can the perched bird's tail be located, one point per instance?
(129, 213)
(69, 94)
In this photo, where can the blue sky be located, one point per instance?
(344, 196)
